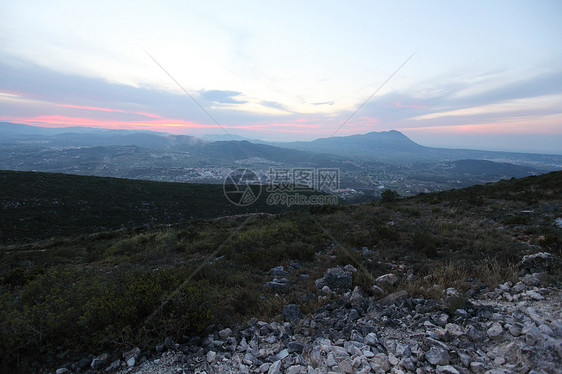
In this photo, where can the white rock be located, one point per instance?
(390, 279)
(282, 354)
(225, 333)
(534, 295)
(437, 356)
(294, 369)
(211, 355)
(371, 339)
(495, 330)
(447, 369)
(131, 362)
(331, 360)
(275, 368)
(346, 366)
(454, 329)
(382, 361)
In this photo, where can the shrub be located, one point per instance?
(516, 220)
(424, 241)
(388, 196)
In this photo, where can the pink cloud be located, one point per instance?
(107, 110)
(167, 125)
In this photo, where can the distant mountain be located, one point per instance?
(106, 145)
(393, 146)
(91, 137)
(372, 143)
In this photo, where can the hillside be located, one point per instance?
(143, 288)
(44, 206)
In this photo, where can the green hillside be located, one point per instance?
(46, 205)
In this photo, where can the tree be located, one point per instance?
(389, 195)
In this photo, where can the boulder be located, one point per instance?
(538, 263)
(387, 279)
(292, 312)
(393, 297)
(437, 356)
(337, 279)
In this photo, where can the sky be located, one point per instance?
(478, 74)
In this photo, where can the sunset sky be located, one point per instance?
(485, 74)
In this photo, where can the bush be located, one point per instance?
(89, 311)
(516, 220)
(424, 241)
(388, 196)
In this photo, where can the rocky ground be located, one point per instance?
(515, 328)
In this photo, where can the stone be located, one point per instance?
(477, 367)
(377, 291)
(353, 315)
(169, 343)
(275, 368)
(62, 371)
(474, 334)
(511, 353)
(211, 356)
(264, 367)
(114, 366)
(393, 298)
(351, 268)
(337, 279)
(356, 297)
(495, 330)
(225, 333)
(515, 329)
(278, 271)
(275, 286)
(99, 362)
(249, 359)
(387, 279)
(454, 330)
(534, 295)
(437, 356)
(447, 369)
(131, 362)
(532, 334)
(331, 359)
(519, 287)
(441, 319)
(346, 366)
(295, 347)
(531, 280)
(243, 346)
(538, 263)
(465, 359)
(382, 361)
(282, 354)
(402, 350)
(294, 369)
(292, 312)
(546, 330)
(356, 336)
(371, 339)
